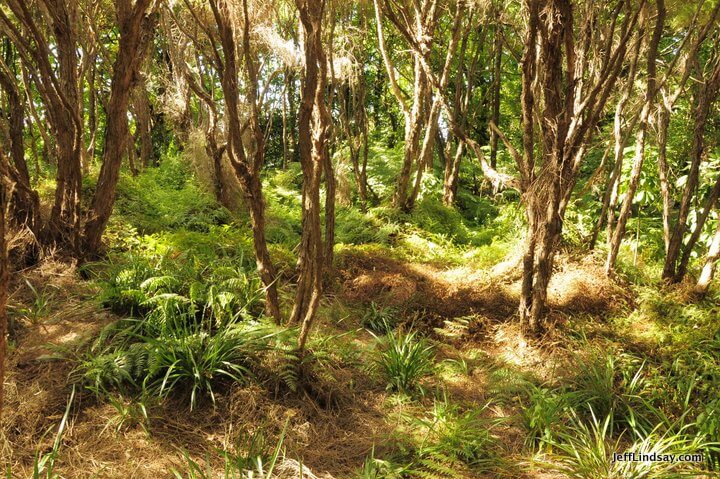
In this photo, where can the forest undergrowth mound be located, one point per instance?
(578, 286)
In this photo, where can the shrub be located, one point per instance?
(168, 197)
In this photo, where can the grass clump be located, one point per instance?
(585, 449)
(543, 415)
(380, 319)
(252, 456)
(616, 386)
(404, 360)
(179, 357)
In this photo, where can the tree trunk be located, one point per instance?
(4, 277)
(708, 271)
(621, 133)
(663, 123)
(92, 116)
(246, 171)
(706, 96)
(497, 64)
(25, 201)
(143, 123)
(64, 224)
(136, 29)
(313, 136)
(697, 231)
(452, 175)
(650, 94)
(266, 270)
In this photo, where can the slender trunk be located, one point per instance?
(650, 94)
(285, 141)
(216, 152)
(132, 156)
(143, 124)
(25, 201)
(544, 261)
(705, 99)
(708, 271)
(329, 244)
(36, 118)
(697, 231)
(64, 225)
(663, 123)
(452, 175)
(4, 277)
(313, 136)
(528, 277)
(265, 267)
(34, 149)
(411, 148)
(497, 64)
(92, 116)
(621, 134)
(426, 153)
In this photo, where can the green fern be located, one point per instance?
(438, 466)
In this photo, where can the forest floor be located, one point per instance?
(468, 312)
(488, 378)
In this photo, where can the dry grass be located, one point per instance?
(467, 310)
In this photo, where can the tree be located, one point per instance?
(314, 124)
(26, 201)
(651, 90)
(678, 254)
(416, 21)
(566, 84)
(246, 161)
(136, 25)
(59, 90)
(4, 273)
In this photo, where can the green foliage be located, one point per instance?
(586, 450)
(161, 278)
(380, 319)
(461, 435)
(614, 386)
(404, 360)
(374, 468)
(197, 359)
(40, 306)
(129, 412)
(354, 227)
(543, 415)
(252, 457)
(708, 431)
(179, 355)
(167, 197)
(44, 462)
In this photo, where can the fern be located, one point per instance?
(156, 283)
(439, 466)
(289, 370)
